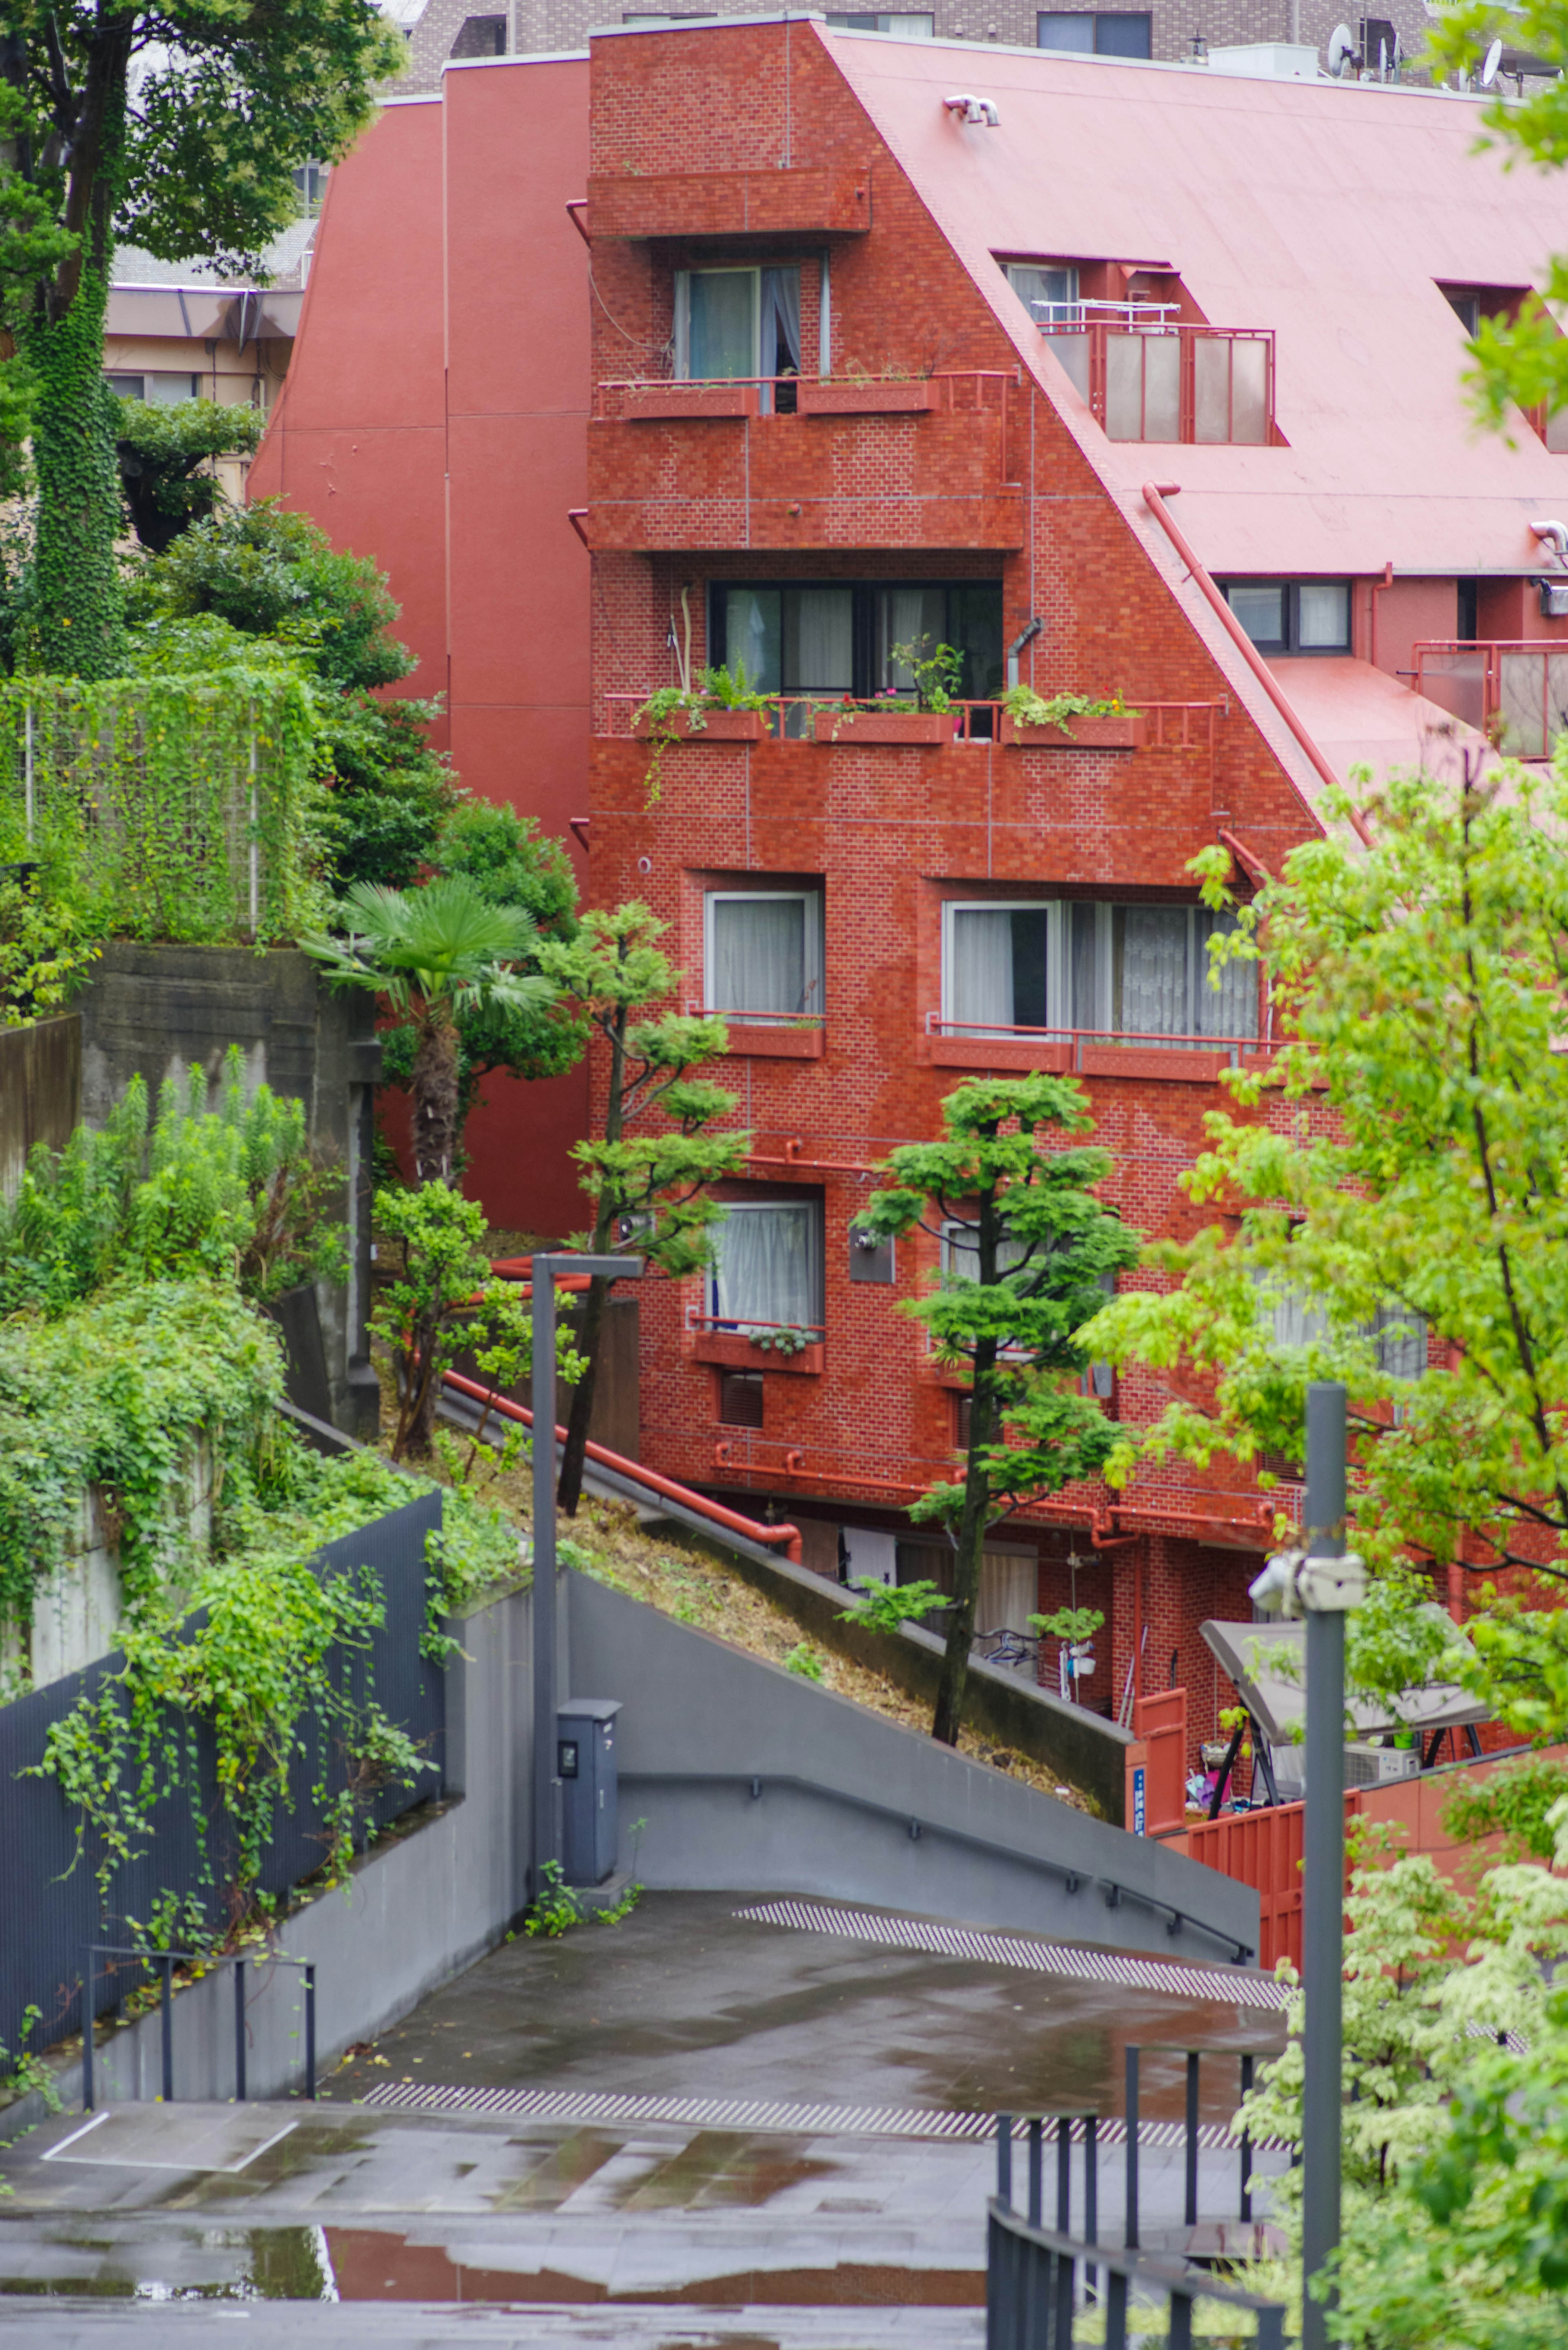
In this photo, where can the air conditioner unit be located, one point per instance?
(1375, 1766)
(1554, 599)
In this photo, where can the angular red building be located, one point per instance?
(899, 344)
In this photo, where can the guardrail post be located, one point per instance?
(1116, 2311)
(1132, 2231)
(1004, 2159)
(1246, 2145)
(168, 2001)
(87, 2038)
(1191, 2206)
(1180, 2334)
(310, 2031)
(1091, 2196)
(1036, 2165)
(1064, 2174)
(239, 2032)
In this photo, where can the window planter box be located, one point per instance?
(1050, 1056)
(718, 726)
(738, 1353)
(652, 403)
(1126, 733)
(860, 726)
(774, 1043)
(866, 399)
(1153, 1060)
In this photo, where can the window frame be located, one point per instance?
(682, 336)
(1140, 15)
(1289, 646)
(1059, 975)
(814, 1209)
(863, 681)
(812, 900)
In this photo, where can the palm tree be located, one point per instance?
(435, 954)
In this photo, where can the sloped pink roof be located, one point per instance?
(1326, 211)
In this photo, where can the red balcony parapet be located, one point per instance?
(799, 201)
(737, 1350)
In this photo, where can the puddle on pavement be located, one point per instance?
(348, 2264)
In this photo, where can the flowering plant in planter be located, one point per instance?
(672, 713)
(786, 1340)
(1027, 708)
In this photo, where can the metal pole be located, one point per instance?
(1322, 1920)
(1191, 2204)
(1036, 2164)
(1064, 2173)
(27, 772)
(310, 2033)
(544, 1611)
(87, 2038)
(255, 844)
(168, 2031)
(1004, 2159)
(239, 2032)
(1130, 2235)
(1246, 2144)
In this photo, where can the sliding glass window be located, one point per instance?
(763, 953)
(1125, 970)
(858, 638)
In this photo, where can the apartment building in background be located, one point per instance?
(794, 345)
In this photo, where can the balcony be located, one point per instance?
(808, 462)
(769, 1036)
(1148, 379)
(1089, 1052)
(1515, 695)
(753, 1345)
(840, 722)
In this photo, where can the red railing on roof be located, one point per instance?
(1514, 693)
(1210, 385)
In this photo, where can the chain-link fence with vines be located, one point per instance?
(165, 807)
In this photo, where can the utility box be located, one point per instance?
(585, 1766)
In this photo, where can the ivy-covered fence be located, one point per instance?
(180, 807)
(63, 1884)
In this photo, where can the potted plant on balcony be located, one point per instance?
(723, 706)
(1068, 722)
(888, 717)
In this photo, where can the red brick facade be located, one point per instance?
(993, 487)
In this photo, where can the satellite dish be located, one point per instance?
(1341, 50)
(1493, 59)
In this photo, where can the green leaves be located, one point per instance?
(161, 448)
(885, 1607)
(444, 946)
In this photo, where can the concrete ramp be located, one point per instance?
(753, 1779)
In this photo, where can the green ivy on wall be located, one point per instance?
(72, 622)
(178, 807)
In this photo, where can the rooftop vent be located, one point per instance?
(970, 108)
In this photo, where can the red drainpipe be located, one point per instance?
(732, 1519)
(1155, 493)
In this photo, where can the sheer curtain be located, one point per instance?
(1231, 1008)
(766, 1265)
(980, 989)
(825, 654)
(751, 636)
(721, 337)
(781, 321)
(1152, 984)
(904, 617)
(759, 955)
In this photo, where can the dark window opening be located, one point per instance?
(740, 1398)
(1114, 34)
(1293, 616)
(1468, 593)
(480, 37)
(846, 638)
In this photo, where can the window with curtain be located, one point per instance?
(767, 1269)
(737, 322)
(960, 1252)
(1293, 615)
(1398, 1336)
(763, 953)
(1127, 970)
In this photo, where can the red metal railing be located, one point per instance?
(1075, 1039)
(740, 1326)
(790, 717)
(1514, 693)
(730, 1012)
(962, 391)
(1210, 385)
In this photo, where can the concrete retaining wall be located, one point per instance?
(702, 1720)
(40, 1091)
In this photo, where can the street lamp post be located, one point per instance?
(1321, 1583)
(546, 1272)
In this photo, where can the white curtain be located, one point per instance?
(980, 985)
(766, 1265)
(1298, 1321)
(1009, 1592)
(913, 616)
(1231, 1008)
(826, 658)
(752, 617)
(1153, 991)
(759, 955)
(781, 321)
(1401, 1340)
(723, 331)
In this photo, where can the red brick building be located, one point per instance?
(868, 366)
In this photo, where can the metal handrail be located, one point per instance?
(777, 707)
(166, 1961)
(1074, 1879)
(739, 1325)
(937, 1025)
(1030, 2277)
(695, 1011)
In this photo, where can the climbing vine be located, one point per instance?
(180, 807)
(72, 619)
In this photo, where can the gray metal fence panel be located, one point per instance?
(49, 1903)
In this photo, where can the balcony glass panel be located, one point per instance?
(1249, 391)
(1124, 387)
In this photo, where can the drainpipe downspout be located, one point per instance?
(1025, 637)
(1154, 497)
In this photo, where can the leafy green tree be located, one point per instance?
(1521, 360)
(650, 1190)
(1030, 1247)
(1420, 984)
(229, 97)
(433, 955)
(507, 861)
(162, 449)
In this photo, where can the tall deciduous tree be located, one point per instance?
(650, 1190)
(162, 453)
(176, 126)
(1029, 1246)
(1423, 985)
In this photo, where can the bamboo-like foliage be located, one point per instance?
(181, 807)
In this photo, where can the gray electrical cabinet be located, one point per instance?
(585, 1766)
